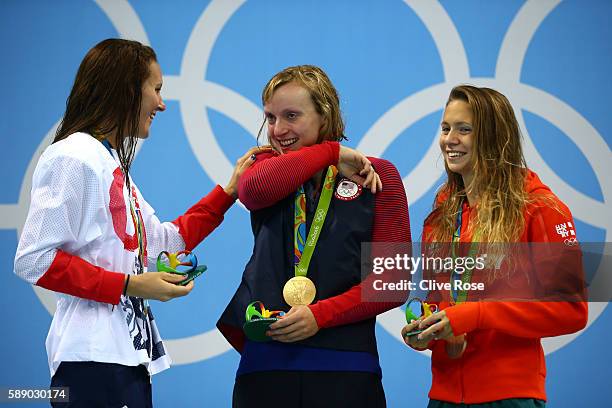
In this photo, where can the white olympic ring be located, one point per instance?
(320, 215)
(507, 80)
(128, 25)
(193, 92)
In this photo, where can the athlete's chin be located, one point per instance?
(143, 135)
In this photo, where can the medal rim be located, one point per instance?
(310, 283)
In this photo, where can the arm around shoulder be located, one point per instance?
(273, 177)
(203, 217)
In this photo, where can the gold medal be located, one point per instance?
(299, 290)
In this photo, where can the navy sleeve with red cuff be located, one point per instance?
(391, 224)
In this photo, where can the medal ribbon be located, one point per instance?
(136, 218)
(304, 247)
(465, 277)
(138, 226)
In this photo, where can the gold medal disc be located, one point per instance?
(299, 290)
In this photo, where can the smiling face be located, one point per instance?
(456, 139)
(292, 119)
(151, 101)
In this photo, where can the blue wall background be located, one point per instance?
(393, 63)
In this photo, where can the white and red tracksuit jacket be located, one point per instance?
(79, 240)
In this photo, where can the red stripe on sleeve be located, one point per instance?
(74, 276)
(273, 177)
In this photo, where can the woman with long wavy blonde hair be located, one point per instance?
(489, 353)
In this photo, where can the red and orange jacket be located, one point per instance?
(504, 356)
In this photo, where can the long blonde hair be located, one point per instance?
(499, 170)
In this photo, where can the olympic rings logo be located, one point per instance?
(570, 241)
(320, 215)
(192, 92)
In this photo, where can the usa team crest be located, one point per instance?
(347, 190)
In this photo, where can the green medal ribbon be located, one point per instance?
(466, 277)
(304, 248)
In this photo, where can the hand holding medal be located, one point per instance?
(297, 324)
(428, 324)
(257, 319)
(299, 291)
(181, 263)
(438, 325)
(416, 311)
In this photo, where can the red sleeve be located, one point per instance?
(391, 224)
(561, 264)
(203, 217)
(273, 177)
(521, 319)
(74, 276)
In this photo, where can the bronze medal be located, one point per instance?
(299, 290)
